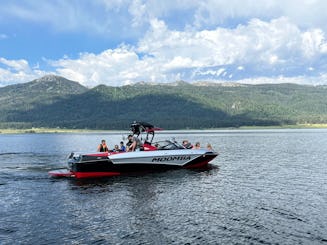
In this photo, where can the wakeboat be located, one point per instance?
(160, 155)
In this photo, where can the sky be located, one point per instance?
(120, 42)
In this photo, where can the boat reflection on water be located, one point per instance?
(206, 170)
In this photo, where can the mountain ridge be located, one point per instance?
(54, 101)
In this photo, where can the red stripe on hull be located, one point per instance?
(80, 175)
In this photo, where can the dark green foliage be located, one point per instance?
(57, 102)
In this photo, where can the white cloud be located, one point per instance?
(313, 43)
(137, 9)
(108, 16)
(216, 73)
(17, 71)
(163, 55)
(305, 14)
(178, 62)
(273, 39)
(316, 80)
(110, 66)
(277, 41)
(16, 65)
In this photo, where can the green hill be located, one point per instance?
(24, 98)
(58, 102)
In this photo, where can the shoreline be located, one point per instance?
(60, 130)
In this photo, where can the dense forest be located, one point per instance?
(54, 101)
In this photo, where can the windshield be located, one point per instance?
(168, 145)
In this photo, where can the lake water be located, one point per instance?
(265, 187)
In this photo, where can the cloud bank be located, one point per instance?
(270, 41)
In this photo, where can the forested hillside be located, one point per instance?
(57, 102)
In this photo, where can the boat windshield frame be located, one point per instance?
(168, 145)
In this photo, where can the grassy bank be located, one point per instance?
(60, 130)
(47, 130)
(297, 126)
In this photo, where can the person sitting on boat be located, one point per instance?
(122, 147)
(103, 146)
(116, 149)
(136, 143)
(197, 145)
(130, 141)
(209, 147)
(187, 144)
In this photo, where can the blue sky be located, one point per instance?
(119, 42)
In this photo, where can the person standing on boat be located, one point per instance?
(103, 146)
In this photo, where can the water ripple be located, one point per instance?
(266, 187)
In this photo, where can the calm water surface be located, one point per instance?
(265, 187)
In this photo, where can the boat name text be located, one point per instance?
(171, 158)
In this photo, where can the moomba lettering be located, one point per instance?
(171, 158)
